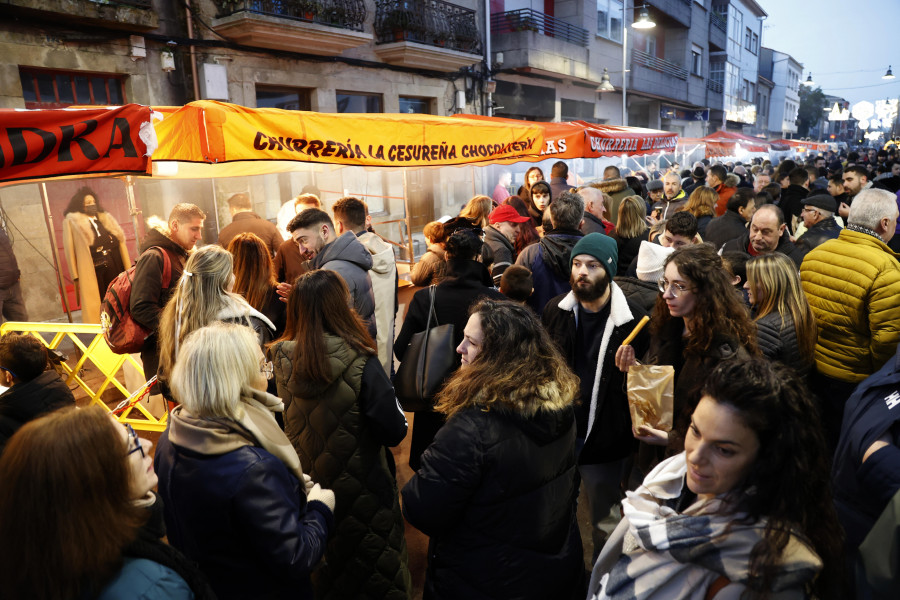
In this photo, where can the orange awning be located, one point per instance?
(580, 139)
(802, 146)
(36, 144)
(207, 132)
(728, 141)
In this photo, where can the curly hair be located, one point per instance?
(789, 482)
(518, 366)
(702, 202)
(718, 308)
(76, 204)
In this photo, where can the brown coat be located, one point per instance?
(250, 222)
(78, 235)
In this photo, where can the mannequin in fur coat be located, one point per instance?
(95, 250)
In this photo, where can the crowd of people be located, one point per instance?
(772, 293)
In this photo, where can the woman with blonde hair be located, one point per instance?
(77, 516)
(326, 364)
(430, 268)
(203, 295)
(254, 277)
(496, 489)
(236, 499)
(631, 230)
(785, 322)
(477, 210)
(702, 204)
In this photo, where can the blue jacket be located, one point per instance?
(862, 490)
(142, 579)
(244, 519)
(548, 261)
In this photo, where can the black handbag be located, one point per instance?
(429, 359)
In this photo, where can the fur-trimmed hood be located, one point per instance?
(612, 186)
(732, 180)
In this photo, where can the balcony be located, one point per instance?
(325, 27)
(718, 30)
(119, 14)
(677, 10)
(533, 41)
(426, 33)
(658, 77)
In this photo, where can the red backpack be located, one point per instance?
(123, 334)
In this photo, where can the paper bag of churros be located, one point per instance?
(651, 395)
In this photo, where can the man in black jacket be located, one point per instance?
(818, 217)
(733, 223)
(12, 307)
(589, 324)
(793, 195)
(33, 390)
(501, 236)
(768, 233)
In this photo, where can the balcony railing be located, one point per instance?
(346, 14)
(718, 20)
(658, 64)
(715, 86)
(429, 22)
(526, 19)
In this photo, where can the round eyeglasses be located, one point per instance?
(676, 288)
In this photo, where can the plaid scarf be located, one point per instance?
(666, 554)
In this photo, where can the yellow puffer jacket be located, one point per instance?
(853, 286)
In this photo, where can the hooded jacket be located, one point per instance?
(609, 435)
(347, 257)
(785, 246)
(667, 207)
(726, 191)
(617, 190)
(852, 284)
(384, 287)
(340, 430)
(27, 401)
(496, 494)
(548, 261)
(504, 252)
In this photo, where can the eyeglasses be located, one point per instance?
(137, 442)
(677, 288)
(267, 369)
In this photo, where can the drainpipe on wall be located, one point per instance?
(190, 31)
(489, 109)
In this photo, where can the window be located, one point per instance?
(351, 102)
(748, 38)
(286, 98)
(410, 105)
(735, 29)
(651, 43)
(576, 110)
(717, 72)
(696, 60)
(45, 88)
(609, 19)
(754, 44)
(748, 92)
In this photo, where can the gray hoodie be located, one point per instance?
(347, 257)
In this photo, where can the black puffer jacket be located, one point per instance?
(778, 341)
(725, 228)
(642, 293)
(824, 230)
(496, 494)
(785, 246)
(27, 401)
(340, 430)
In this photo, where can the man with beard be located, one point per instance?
(589, 324)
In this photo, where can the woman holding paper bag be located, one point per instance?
(698, 322)
(715, 521)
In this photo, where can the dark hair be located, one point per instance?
(736, 263)
(544, 186)
(740, 199)
(240, 200)
(516, 283)
(784, 169)
(559, 169)
(319, 303)
(526, 185)
(718, 309)
(719, 171)
(682, 223)
(853, 156)
(518, 366)
(636, 186)
(254, 271)
(837, 178)
(23, 355)
(861, 171)
(309, 218)
(774, 190)
(612, 169)
(351, 212)
(464, 244)
(763, 197)
(65, 505)
(76, 204)
(798, 176)
(774, 403)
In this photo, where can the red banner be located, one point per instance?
(36, 144)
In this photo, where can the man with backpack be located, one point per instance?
(150, 292)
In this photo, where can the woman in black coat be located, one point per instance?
(466, 281)
(496, 490)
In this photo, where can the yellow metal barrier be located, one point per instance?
(108, 363)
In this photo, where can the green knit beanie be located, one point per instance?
(600, 246)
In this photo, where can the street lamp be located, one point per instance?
(809, 81)
(643, 22)
(889, 74)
